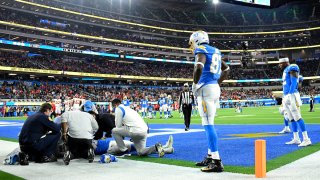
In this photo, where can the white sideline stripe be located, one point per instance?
(244, 115)
(170, 131)
(9, 123)
(80, 169)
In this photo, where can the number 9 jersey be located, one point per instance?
(212, 68)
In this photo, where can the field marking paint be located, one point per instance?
(9, 123)
(170, 131)
(242, 115)
(252, 135)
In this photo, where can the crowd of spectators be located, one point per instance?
(42, 90)
(141, 68)
(66, 63)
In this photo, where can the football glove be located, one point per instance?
(195, 88)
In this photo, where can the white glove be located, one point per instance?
(281, 110)
(195, 88)
(297, 98)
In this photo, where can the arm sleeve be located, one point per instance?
(94, 124)
(294, 84)
(180, 100)
(118, 117)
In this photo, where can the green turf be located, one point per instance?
(7, 176)
(256, 115)
(8, 139)
(251, 115)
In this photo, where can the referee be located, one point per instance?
(185, 103)
(311, 104)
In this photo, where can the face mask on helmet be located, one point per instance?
(198, 38)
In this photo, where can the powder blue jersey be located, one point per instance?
(150, 108)
(212, 68)
(286, 80)
(170, 102)
(162, 101)
(102, 146)
(126, 102)
(144, 103)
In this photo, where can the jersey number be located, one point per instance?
(215, 64)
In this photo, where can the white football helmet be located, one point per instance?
(198, 38)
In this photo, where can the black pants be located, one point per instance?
(186, 109)
(43, 147)
(79, 147)
(311, 107)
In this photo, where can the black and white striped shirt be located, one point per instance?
(186, 97)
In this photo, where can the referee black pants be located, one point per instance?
(186, 109)
(311, 107)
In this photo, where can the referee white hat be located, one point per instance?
(281, 60)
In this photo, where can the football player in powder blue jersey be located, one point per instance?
(209, 72)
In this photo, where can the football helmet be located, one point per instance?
(198, 38)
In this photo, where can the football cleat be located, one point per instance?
(67, 157)
(294, 141)
(47, 159)
(285, 130)
(159, 149)
(205, 162)
(90, 155)
(169, 143)
(214, 166)
(122, 153)
(305, 142)
(23, 159)
(168, 150)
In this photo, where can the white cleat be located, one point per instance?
(285, 130)
(294, 141)
(168, 150)
(305, 142)
(169, 143)
(168, 147)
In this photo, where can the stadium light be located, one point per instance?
(215, 1)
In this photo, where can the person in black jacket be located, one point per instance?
(106, 123)
(39, 137)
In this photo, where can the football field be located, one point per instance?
(236, 131)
